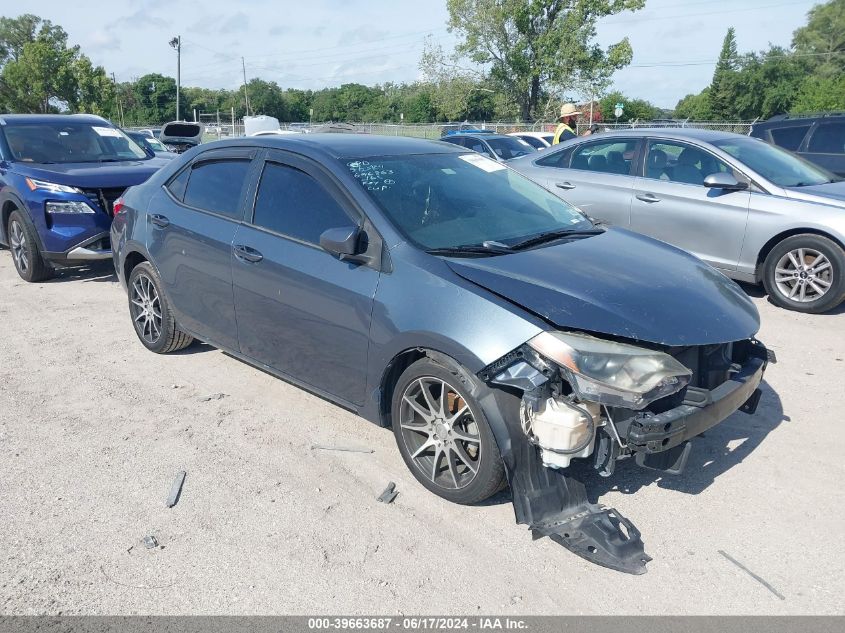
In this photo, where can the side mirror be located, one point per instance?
(343, 242)
(725, 181)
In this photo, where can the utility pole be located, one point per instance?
(246, 94)
(176, 43)
(119, 102)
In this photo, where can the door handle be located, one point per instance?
(564, 185)
(247, 254)
(159, 220)
(647, 197)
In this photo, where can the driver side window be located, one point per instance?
(682, 163)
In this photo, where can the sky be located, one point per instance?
(322, 43)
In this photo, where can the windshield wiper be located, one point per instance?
(550, 236)
(486, 248)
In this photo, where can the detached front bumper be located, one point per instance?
(702, 409)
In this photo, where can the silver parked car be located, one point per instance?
(756, 212)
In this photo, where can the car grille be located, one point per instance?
(104, 198)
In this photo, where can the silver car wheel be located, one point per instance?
(146, 308)
(804, 275)
(17, 242)
(440, 433)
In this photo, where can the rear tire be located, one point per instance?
(805, 273)
(446, 443)
(152, 317)
(25, 252)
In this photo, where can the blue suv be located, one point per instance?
(60, 176)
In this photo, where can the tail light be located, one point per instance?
(118, 206)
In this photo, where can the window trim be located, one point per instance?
(250, 155)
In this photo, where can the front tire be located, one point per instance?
(805, 273)
(151, 314)
(443, 436)
(25, 252)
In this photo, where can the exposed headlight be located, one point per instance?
(70, 206)
(52, 187)
(614, 374)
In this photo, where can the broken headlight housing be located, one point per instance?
(610, 373)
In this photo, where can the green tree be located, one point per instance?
(822, 40)
(154, 99)
(265, 97)
(538, 45)
(694, 106)
(634, 110)
(723, 88)
(819, 94)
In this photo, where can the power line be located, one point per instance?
(695, 15)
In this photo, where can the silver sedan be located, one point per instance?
(756, 212)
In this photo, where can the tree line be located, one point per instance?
(515, 61)
(807, 77)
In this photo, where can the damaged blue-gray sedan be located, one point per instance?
(497, 330)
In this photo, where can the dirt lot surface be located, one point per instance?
(93, 429)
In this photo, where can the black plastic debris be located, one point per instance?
(176, 489)
(389, 493)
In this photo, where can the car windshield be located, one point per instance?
(442, 201)
(64, 142)
(156, 144)
(508, 147)
(781, 167)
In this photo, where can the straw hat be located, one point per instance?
(569, 109)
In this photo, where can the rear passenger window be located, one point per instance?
(829, 138)
(556, 159)
(216, 186)
(177, 184)
(789, 137)
(609, 157)
(292, 203)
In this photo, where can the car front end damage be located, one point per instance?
(584, 397)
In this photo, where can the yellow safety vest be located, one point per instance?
(561, 128)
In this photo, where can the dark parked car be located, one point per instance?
(152, 144)
(432, 290)
(59, 177)
(499, 147)
(820, 138)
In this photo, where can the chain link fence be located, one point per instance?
(223, 128)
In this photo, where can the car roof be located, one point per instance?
(482, 135)
(339, 145)
(52, 118)
(698, 134)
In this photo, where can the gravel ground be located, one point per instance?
(93, 429)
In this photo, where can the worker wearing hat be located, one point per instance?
(568, 120)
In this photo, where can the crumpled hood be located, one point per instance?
(93, 175)
(832, 193)
(622, 284)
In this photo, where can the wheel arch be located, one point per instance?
(777, 239)
(399, 363)
(130, 260)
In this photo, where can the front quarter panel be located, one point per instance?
(770, 215)
(423, 304)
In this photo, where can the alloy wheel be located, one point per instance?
(804, 275)
(17, 242)
(440, 433)
(146, 308)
